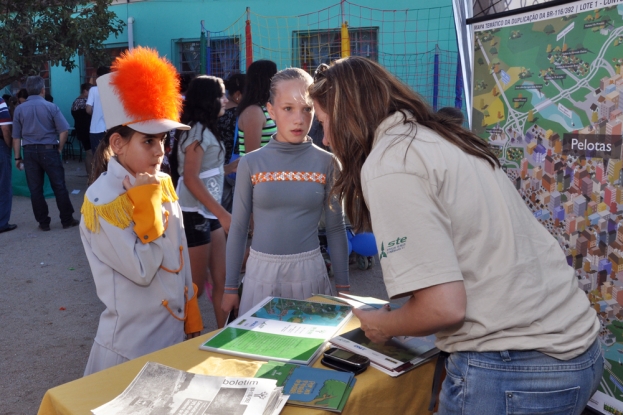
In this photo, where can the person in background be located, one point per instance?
(94, 109)
(255, 127)
(168, 145)
(22, 96)
(12, 103)
(6, 192)
(455, 238)
(234, 85)
(200, 164)
(131, 227)
(82, 124)
(286, 185)
(40, 128)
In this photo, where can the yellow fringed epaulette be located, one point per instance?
(119, 212)
(168, 191)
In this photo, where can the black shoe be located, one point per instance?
(8, 227)
(71, 224)
(44, 227)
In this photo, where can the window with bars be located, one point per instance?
(224, 59)
(88, 72)
(311, 48)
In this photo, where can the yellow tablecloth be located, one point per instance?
(375, 393)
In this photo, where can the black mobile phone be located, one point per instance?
(334, 364)
(347, 358)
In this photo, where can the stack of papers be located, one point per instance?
(160, 389)
(311, 387)
(281, 329)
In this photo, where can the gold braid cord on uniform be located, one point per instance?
(119, 212)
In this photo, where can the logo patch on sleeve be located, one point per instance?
(393, 246)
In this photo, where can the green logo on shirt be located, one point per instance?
(383, 254)
(393, 246)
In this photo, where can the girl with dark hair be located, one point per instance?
(456, 238)
(200, 164)
(255, 126)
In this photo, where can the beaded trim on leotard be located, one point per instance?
(287, 176)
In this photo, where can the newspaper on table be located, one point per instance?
(163, 390)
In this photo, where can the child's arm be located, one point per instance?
(336, 237)
(237, 239)
(146, 197)
(138, 253)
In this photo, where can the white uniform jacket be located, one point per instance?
(144, 286)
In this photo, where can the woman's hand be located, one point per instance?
(230, 302)
(372, 323)
(141, 179)
(231, 167)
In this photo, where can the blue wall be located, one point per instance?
(406, 39)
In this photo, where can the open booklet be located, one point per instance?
(159, 389)
(309, 386)
(281, 329)
(395, 357)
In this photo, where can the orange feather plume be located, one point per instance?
(148, 86)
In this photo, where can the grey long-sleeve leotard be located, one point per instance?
(286, 187)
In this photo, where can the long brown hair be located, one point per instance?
(104, 152)
(358, 94)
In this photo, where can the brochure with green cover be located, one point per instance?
(281, 329)
(309, 386)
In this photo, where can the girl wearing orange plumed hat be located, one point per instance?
(131, 226)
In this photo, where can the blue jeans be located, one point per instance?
(6, 191)
(519, 382)
(39, 160)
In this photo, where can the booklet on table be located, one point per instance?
(159, 389)
(281, 329)
(395, 357)
(309, 386)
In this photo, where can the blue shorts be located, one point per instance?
(519, 382)
(198, 228)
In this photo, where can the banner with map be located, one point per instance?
(548, 95)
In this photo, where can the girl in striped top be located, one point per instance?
(255, 126)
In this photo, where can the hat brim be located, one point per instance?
(157, 126)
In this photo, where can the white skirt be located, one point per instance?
(296, 276)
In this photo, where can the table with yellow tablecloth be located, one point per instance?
(375, 392)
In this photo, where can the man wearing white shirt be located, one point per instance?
(94, 108)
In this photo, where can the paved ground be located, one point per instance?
(48, 306)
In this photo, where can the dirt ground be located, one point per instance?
(49, 310)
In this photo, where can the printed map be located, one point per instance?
(548, 95)
(300, 311)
